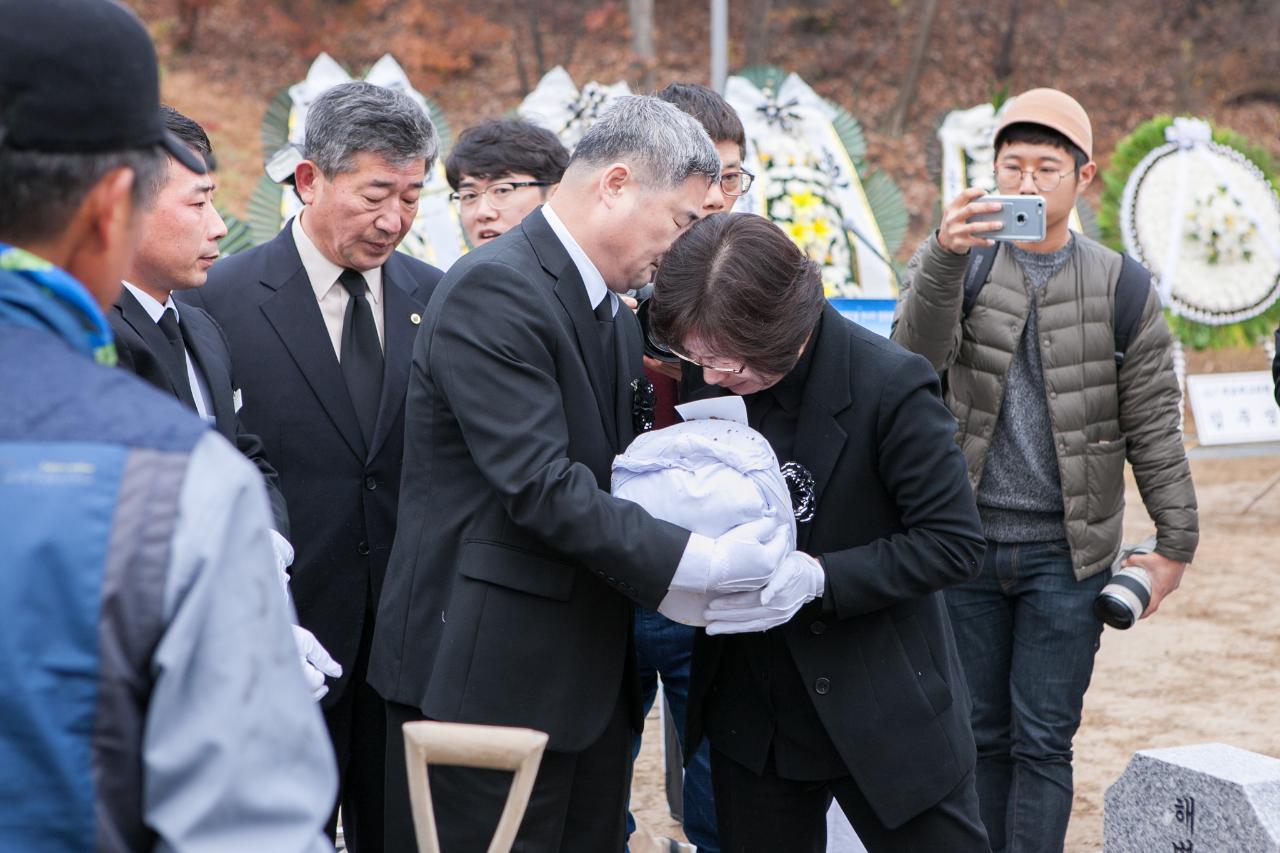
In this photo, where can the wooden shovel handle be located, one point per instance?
(489, 747)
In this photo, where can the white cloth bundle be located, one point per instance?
(707, 476)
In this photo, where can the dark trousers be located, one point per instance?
(578, 803)
(665, 648)
(1027, 638)
(356, 726)
(768, 814)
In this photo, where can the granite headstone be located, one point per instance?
(1210, 798)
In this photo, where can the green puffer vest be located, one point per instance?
(1101, 414)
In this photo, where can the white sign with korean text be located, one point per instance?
(1234, 408)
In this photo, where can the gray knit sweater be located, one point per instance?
(1020, 495)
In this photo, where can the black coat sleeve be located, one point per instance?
(493, 350)
(922, 468)
(251, 446)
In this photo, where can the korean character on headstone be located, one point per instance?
(1184, 811)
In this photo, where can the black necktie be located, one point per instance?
(361, 353)
(605, 322)
(176, 356)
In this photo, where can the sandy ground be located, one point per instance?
(1205, 668)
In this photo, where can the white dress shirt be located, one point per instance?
(199, 389)
(591, 277)
(332, 296)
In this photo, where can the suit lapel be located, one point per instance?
(398, 332)
(140, 321)
(572, 293)
(217, 378)
(819, 436)
(295, 315)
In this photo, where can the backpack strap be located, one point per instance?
(1132, 288)
(981, 259)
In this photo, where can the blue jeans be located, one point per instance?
(1027, 638)
(665, 648)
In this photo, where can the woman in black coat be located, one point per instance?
(840, 678)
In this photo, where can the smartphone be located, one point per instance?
(1021, 218)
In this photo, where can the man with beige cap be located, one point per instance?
(1052, 392)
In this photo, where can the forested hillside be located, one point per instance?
(1126, 61)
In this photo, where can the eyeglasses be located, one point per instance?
(500, 195)
(734, 371)
(1045, 179)
(736, 183)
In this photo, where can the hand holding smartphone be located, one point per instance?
(1021, 218)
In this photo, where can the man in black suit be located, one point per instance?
(840, 677)
(184, 352)
(180, 234)
(510, 592)
(321, 322)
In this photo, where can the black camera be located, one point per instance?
(653, 348)
(1126, 596)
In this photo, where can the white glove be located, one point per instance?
(316, 663)
(798, 581)
(743, 558)
(283, 552)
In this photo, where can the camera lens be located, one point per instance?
(652, 347)
(1125, 597)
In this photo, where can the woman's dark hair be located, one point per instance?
(743, 288)
(1038, 134)
(501, 147)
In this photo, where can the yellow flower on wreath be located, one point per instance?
(804, 200)
(800, 232)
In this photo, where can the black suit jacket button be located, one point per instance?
(822, 686)
(370, 483)
(818, 627)
(363, 549)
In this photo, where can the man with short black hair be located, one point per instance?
(184, 353)
(1050, 404)
(501, 170)
(722, 124)
(153, 699)
(321, 322)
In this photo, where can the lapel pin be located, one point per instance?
(415, 319)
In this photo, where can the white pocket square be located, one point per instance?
(237, 401)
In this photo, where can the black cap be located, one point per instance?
(80, 77)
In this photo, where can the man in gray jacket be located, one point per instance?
(1047, 414)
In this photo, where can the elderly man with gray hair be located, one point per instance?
(321, 322)
(509, 595)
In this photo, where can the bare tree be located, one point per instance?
(190, 13)
(758, 31)
(551, 35)
(1003, 65)
(907, 94)
(533, 9)
(640, 13)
